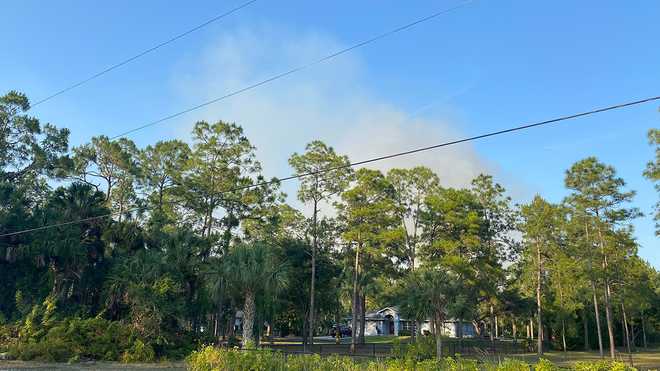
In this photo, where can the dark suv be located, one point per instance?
(342, 329)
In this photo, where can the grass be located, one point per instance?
(384, 339)
(644, 359)
(380, 339)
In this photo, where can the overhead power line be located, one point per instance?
(375, 159)
(142, 53)
(293, 70)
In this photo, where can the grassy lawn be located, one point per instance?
(642, 359)
(345, 340)
(384, 339)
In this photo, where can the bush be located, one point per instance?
(459, 364)
(75, 339)
(213, 359)
(545, 365)
(601, 366)
(423, 348)
(8, 335)
(45, 351)
(210, 358)
(139, 352)
(509, 365)
(41, 336)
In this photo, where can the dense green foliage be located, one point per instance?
(652, 171)
(153, 251)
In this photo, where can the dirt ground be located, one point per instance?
(90, 366)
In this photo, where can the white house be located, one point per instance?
(387, 321)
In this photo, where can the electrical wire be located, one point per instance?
(143, 53)
(293, 70)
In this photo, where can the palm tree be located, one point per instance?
(429, 293)
(252, 272)
(72, 250)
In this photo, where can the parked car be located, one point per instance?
(342, 329)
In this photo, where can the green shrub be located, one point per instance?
(8, 336)
(139, 352)
(422, 348)
(210, 358)
(459, 364)
(75, 339)
(602, 366)
(509, 365)
(545, 365)
(54, 350)
(213, 359)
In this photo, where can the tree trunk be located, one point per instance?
(623, 331)
(497, 328)
(627, 335)
(633, 336)
(514, 329)
(305, 331)
(258, 326)
(585, 322)
(438, 337)
(597, 316)
(531, 327)
(608, 318)
(313, 278)
(56, 288)
(363, 312)
(354, 327)
(219, 314)
(539, 312)
(563, 333)
(644, 331)
(595, 299)
(249, 310)
(491, 331)
(563, 317)
(232, 323)
(608, 303)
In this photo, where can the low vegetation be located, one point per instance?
(211, 359)
(74, 339)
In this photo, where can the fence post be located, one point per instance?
(321, 349)
(373, 347)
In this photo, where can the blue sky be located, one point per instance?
(486, 66)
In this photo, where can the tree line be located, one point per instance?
(175, 239)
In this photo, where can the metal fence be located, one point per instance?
(361, 350)
(467, 347)
(484, 347)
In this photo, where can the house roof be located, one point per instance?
(381, 314)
